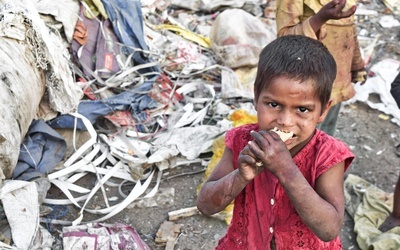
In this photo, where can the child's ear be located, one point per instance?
(255, 102)
(325, 111)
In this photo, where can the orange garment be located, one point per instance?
(339, 36)
(263, 211)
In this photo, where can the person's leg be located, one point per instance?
(329, 123)
(396, 200)
(394, 217)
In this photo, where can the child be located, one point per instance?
(287, 195)
(332, 23)
(394, 218)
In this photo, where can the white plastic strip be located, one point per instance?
(75, 177)
(134, 194)
(87, 144)
(155, 189)
(65, 190)
(94, 190)
(72, 168)
(71, 186)
(137, 190)
(64, 201)
(104, 171)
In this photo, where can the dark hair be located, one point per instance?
(298, 57)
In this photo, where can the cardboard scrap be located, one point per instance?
(182, 213)
(167, 234)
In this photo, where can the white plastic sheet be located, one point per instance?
(385, 72)
(21, 205)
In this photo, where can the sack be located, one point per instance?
(238, 37)
(28, 70)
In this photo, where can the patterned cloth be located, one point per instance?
(263, 211)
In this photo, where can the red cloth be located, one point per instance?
(263, 205)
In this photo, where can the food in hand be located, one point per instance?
(283, 134)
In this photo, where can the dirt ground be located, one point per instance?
(371, 138)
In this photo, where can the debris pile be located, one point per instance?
(113, 93)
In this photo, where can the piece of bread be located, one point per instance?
(283, 134)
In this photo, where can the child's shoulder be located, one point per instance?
(243, 129)
(324, 144)
(240, 134)
(331, 150)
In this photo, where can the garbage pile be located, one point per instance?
(101, 95)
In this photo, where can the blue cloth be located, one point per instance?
(41, 150)
(127, 20)
(134, 100)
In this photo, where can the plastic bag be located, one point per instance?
(99, 236)
(237, 38)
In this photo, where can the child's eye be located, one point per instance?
(303, 110)
(273, 104)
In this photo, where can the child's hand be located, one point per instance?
(359, 76)
(389, 223)
(269, 149)
(334, 10)
(248, 167)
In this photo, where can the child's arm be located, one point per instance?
(322, 208)
(332, 10)
(290, 18)
(225, 182)
(359, 73)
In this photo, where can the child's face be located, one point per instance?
(290, 105)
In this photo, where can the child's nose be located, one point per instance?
(285, 119)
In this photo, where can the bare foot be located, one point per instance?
(389, 223)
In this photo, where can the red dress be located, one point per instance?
(263, 210)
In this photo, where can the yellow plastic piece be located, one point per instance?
(201, 40)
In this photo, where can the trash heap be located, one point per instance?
(101, 95)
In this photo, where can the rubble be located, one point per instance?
(155, 98)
